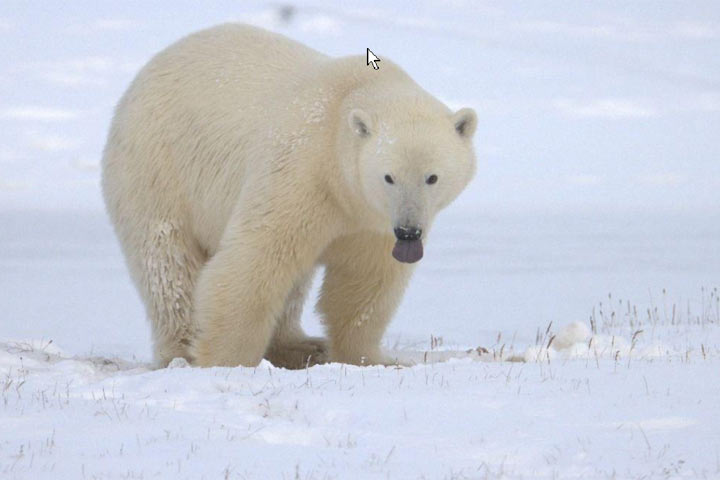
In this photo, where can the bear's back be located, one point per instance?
(230, 64)
(222, 106)
(198, 117)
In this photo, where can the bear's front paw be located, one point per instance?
(297, 354)
(228, 351)
(203, 355)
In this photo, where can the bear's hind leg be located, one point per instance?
(291, 347)
(171, 260)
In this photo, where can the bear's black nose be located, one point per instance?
(408, 233)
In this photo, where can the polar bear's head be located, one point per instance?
(412, 159)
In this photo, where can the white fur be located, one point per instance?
(235, 165)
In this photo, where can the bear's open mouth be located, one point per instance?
(408, 251)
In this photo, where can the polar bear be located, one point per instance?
(239, 161)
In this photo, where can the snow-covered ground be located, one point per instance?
(593, 227)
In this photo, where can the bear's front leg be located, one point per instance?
(362, 288)
(242, 289)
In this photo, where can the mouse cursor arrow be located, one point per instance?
(372, 58)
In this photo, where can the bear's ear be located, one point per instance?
(360, 123)
(465, 122)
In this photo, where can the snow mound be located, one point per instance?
(576, 332)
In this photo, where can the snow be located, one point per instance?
(460, 419)
(564, 321)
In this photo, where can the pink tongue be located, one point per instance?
(408, 251)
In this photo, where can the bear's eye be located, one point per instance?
(389, 179)
(431, 179)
